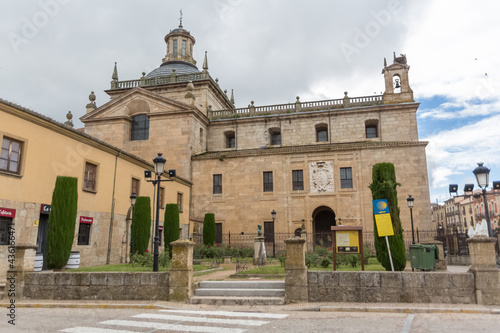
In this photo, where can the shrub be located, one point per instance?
(209, 229)
(141, 225)
(325, 262)
(282, 258)
(383, 186)
(62, 222)
(311, 259)
(171, 226)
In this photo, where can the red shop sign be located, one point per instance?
(7, 212)
(86, 219)
(160, 227)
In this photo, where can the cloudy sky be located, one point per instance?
(54, 52)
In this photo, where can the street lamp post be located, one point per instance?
(159, 163)
(133, 197)
(410, 201)
(482, 174)
(273, 215)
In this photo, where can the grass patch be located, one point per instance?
(265, 270)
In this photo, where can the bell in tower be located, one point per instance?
(397, 87)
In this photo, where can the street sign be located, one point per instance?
(383, 218)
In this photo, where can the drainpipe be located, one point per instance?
(112, 214)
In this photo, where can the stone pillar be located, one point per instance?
(295, 271)
(486, 272)
(23, 262)
(440, 262)
(258, 244)
(181, 273)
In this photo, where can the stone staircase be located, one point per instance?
(240, 293)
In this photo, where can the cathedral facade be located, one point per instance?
(308, 161)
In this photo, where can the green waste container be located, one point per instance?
(423, 257)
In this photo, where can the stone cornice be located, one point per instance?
(331, 147)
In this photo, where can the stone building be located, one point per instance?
(310, 162)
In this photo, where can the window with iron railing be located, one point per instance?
(268, 181)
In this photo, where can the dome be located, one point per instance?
(181, 67)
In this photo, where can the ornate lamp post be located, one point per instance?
(159, 163)
(410, 200)
(482, 174)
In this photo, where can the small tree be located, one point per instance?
(141, 225)
(383, 186)
(62, 222)
(209, 229)
(171, 226)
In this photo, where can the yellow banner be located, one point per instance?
(384, 225)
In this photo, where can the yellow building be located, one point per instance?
(37, 149)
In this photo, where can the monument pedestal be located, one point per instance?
(259, 251)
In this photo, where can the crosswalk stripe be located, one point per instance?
(173, 327)
(202, 319)
(231, 314)
(83, 329)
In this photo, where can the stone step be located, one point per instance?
(240, 292)
(243, 284)
(234, 300)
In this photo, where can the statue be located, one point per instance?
(482, 229)
(259, 230)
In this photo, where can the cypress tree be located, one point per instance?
(171, 226)
(209, 229)
(383, 186)
(141, 225)
(62, 220)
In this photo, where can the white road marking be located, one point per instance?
(202, 319)
(82, 329)
(231, 314)
(180, 328)
(408, 322)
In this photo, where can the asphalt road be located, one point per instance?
(80, 320)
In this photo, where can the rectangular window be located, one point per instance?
(218, 233)
(322, 134)
(162, 197)
(84, 234)
(230, 139)
(217, 184)
(179, 202)
(10, 157)
(275, 138)
(139, 128)
(5, 223)
(90, 177)
(298, 180)
(135, 186)
(268, 181)
(183, 48)
(371, 132)
(345, 177)
(175, 47)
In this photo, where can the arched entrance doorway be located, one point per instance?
(323, 220)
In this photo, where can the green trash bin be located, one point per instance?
(423, 257)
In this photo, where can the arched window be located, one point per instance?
(396, 83)
(321, 133)
(140, 128)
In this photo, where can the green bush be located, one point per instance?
(201, 251)
(171, 226)
(209, 229)
(383, 186)
(325, 262)
(62, 222)
(141, 225)
(282, 258)
(146, 260)
(312, 259)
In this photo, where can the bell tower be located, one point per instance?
(397, 87)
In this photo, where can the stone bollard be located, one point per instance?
(486, 273)
(23, 262)
(181, 273)
(441, 261)
(295, 271)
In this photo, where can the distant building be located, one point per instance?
(311, 162)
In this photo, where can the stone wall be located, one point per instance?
(398, 287)
(97, 286)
